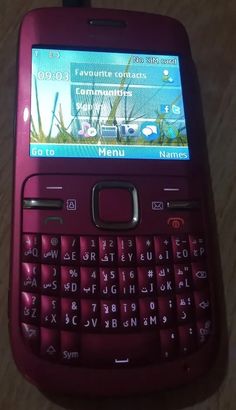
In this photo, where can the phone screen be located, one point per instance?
(96, 104)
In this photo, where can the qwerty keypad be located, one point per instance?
(79, 291)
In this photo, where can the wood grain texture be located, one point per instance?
(211, 25)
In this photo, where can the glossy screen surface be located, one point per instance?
(95, 104)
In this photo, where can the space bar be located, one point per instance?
(106, 350)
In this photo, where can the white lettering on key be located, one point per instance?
(73, 273)
(93, 256)
(86, 256)
(201, 274)
(133, 322)
(121, 361)
(114, 323)
(112, 256)
(111, 323)
(70, 355)
(131, 289)
(149, 256)
(73, 256)
(94, 322)
(114, 289)
(73, 287)
(54, 285)
(151, 288)
(105, 258)
(74, 320)
(93, 288)
(105, 277)
(106, 309)
(26, 311)
(33, 313)
(53, 318)
(54, 254)
(130, 256)
(67, 287)
(74, 306)
(168, 285)
(187, 285)
(153, 319)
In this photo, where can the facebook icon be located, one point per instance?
(164, 108)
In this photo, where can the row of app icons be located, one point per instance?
(149, 130)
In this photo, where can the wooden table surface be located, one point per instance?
(211, 25)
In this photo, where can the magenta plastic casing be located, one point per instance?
(159, 34)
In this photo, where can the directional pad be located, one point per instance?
(115, 205)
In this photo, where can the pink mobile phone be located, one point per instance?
(112, 280)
